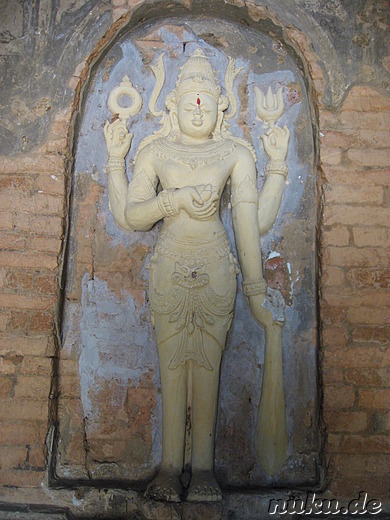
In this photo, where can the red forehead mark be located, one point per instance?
(198, 101)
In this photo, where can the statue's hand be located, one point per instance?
(259, 312)
(198, 201)
(118, 139)
(275, 141)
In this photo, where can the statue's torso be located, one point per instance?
(193, 273)
(179, 166)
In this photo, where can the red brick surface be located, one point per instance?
(355, 263)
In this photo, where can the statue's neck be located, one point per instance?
(188, 140)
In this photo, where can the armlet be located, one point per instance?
(244, 192)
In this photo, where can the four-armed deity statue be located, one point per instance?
(179, 175)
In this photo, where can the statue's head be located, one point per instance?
(196, 105)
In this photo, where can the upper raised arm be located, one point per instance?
(243, 178)
(142, 210)
(144, 180)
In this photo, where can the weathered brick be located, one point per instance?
(334, 336)
(23, 409)
(353, 256)
(369, 278)
(20, 301)
(41, 322)
(5, 386)
(378, 398)
(20, 280)
(371, 121)
(328, 121)
(343, 194)
(19, 433)
(36, 458)
(28, 260)
(15, 346)
(36, 387)
(333, 443)
(367, 236)
(340, 140)
(44, 244)
(346, 421)
(6, 220)
(366, 334)
(339, 397)
(51, 184)
(376, 465)
(332, 315)
(352, 297)
(47, 225)
(356, 357)
(4, 320)
(368, 315)
(354, 177)
(13, 457)
(332, 375)
(335, 236)
(46, 284)
(57, 146)
(357, 215)
(379, 377)
(37, 366)
(368, 157)
(19, 321)
(31, 163)
(366, 94)
(372, 138)
(22, 478)
(358, 444)
(381, 421)
(331, 156)
(332, 276)
(12, 241)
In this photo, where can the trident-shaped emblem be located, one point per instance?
(270, 106)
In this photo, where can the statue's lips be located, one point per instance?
(197, 122)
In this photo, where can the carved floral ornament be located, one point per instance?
(193, 272)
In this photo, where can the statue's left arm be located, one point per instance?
(244, 202)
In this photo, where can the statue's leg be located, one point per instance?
(203, 486)
(166, 485)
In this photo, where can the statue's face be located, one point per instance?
(197, 114)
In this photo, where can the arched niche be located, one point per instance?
(109, 406)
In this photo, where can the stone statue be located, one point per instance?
(179, 175)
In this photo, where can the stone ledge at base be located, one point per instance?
(116, 504)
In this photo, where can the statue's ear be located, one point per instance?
(223, 103)
(170, 101)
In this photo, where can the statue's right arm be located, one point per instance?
(143, 206)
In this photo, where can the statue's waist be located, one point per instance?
(214, 246)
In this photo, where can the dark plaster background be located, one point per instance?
(42, 42)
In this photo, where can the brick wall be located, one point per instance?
(354, 288)
(355, 291)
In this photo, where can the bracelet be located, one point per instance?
(278, 167)
(253, 287)
(114, 164)
(167, 204)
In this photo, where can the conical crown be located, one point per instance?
(197, 75)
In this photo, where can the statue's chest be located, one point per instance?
(175, 174)
(179, 166)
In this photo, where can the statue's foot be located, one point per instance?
(204, 487)
(165, 486)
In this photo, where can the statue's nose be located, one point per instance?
(198, 111)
